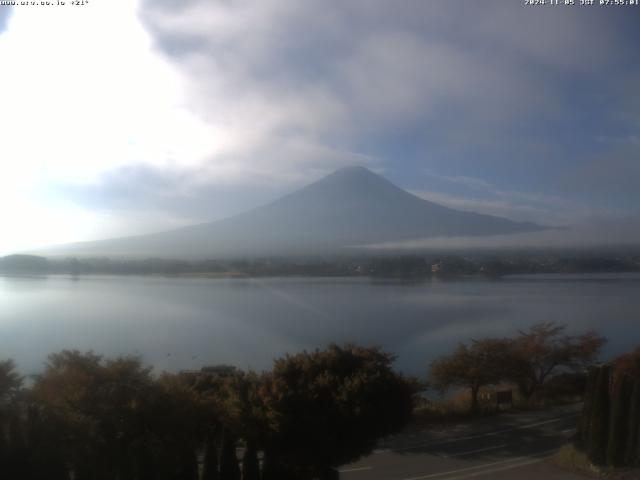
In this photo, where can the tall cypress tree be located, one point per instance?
(599, 424)
(587, 409)
(144, 463)
(250, 465)
(634, 425)
(635, 458)
(188, 467)
(3, 444)
(269, 468)
(618, 426)
(17, 458)
(47, 459)
(229, 468)
(210, 467)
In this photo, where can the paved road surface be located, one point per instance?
(509, 446)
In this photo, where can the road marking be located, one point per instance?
(476, 467)
(354, 469)
(496, 470)
(462, 454)
(527, 460)
(569, 430)
(473, 437)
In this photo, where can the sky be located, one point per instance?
(121, 117)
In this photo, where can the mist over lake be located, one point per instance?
(185, 323)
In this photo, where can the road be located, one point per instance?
(508, 446)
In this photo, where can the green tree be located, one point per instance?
(599, 424)
(587, 408)
(98, 408)
(619, 422)
(66, 395)
(229, 467)
(329, 407)
(242, 409)
(181, 419)
(250, 464)
(210, 467)
(10, 381)
(47, 459)
(10, 387)
(631, 453)
(626, 368)
(473, 366)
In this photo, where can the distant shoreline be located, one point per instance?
(400, 267)
(246, 276)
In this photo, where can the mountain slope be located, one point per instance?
(352, 206)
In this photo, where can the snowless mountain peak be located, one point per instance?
(352, 206)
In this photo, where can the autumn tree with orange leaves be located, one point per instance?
(473, 366)
(528, 361)
(542, 351)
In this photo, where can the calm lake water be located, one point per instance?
(184, 323)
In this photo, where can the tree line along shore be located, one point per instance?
(385, 266)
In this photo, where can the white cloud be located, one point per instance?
(269, 124)
(82, 93)
(518, 206)
(271, 73)
(481, 196)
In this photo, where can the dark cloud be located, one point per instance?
(611, 179)
(485, 69)
(515, 96)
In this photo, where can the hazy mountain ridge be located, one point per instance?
(350, 207)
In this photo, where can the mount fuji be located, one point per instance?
(351, 207)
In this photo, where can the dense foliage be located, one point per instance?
(529, 360)
(348, 397)
(610, 427)
(87, 417)
(471, 366)
(628, 365)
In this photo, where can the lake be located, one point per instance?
(185, 323)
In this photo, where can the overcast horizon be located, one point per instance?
(126, 117)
